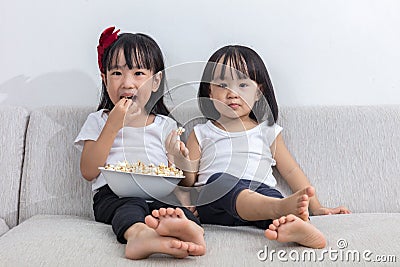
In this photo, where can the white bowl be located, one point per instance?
(126, 184)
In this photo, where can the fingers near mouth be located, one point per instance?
(132, 97)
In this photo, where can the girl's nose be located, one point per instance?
(232, 93)
(129, 82)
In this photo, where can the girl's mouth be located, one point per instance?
(133, 97)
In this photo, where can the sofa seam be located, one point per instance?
(22, 168)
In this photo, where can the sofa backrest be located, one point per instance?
(51, 180)
(12, 139)
(350, 154)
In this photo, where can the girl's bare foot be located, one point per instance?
(292, 229)
(144, 241)
(266, 208)
(173, 223)
(297, 203)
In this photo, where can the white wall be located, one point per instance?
(317, 51)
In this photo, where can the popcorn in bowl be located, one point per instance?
(140, 180)
(141, 168)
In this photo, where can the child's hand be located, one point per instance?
(123, 110)
(178, 155)
(131, 113)
(330, 211)
(175, 146)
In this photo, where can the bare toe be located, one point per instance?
(170, 211)
(310, 191)
(272, 227)
(290, 218)
(179, 212)
(162, 211)
(155, 213)
(271, 235)
(151, 221)
(179, 244)
(276, 222)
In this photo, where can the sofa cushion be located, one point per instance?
(51, 181)
(351, 154)
(74, 241)
(12, 139)
(3, 227)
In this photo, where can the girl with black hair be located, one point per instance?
(132, 124)
(230, 157)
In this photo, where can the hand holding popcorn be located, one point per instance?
(174, 145)
(132, 112)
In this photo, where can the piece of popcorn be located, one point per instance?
(180, 130)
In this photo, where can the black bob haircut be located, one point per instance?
(247, 63)
(141, 51)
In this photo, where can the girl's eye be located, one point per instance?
(223, 85)
(243, 85)
(138, 73)
(116, 73)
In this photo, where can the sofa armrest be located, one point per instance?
(3, 227)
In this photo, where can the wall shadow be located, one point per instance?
(54, 88)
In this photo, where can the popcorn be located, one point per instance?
(180, 130)
(141, 168)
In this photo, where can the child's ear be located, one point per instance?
(157, 81)
(103, 78)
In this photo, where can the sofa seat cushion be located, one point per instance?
(3, 227)
(48, 240)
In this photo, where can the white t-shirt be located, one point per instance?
(245, 154)
(146, 144)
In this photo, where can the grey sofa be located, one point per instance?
(351, 154)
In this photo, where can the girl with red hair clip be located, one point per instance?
(132, 105)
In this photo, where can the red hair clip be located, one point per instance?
(107, 38)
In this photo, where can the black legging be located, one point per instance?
(122, 213)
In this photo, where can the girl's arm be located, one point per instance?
(95, 153)
(194, 157)
(295, 177)
(186, 158)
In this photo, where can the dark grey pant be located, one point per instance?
(217, 200)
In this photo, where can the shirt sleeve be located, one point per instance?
(169, 125)
(278, 129)
(272, 132)
(90, 130)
